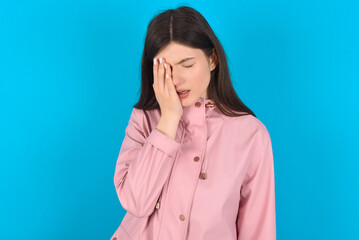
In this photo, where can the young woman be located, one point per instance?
(195, 162)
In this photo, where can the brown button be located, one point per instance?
(196, 159)
(127, 164)
(198, 104)
(114, 238)
(181, 217)
(203, 176)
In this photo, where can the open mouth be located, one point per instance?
(183, 92)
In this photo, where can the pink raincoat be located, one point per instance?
(214, 181)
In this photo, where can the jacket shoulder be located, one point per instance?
(248, 125)
(140, 113)
(144, 119)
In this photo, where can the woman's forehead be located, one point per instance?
(177, 53)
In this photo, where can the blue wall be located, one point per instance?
(70, 73)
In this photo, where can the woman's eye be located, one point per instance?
(188, 66)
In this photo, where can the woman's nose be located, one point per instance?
(175, 76)
(176, 80)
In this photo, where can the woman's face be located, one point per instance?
(190, 70)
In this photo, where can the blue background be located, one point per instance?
(70, 74)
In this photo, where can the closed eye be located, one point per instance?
(189, 66)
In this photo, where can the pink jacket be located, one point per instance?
(214, 181)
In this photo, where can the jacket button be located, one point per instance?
(196, 159)
(198, 104)
(203, 176)
(114, 238)
(181, 217)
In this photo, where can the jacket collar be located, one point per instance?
(197, 111)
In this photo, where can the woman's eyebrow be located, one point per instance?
(185, 59)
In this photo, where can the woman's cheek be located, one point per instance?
(197, 72)
(185, 73)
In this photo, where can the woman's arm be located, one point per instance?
(256, 217)
(143, 166)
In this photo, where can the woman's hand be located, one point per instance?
(165, 91)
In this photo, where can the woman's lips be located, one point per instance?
(181, 90)
(183, 95)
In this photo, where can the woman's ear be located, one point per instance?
(213, 60)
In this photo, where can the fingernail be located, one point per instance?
(160, 60)
(155, 61)
(167, 76)
(165, 65)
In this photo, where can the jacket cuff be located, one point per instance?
(163, 142)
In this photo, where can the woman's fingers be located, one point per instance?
(169, 83)
(165, 91)
(160, 76)
(155, 74)
(166, 78)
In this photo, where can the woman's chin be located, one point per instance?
(186, 102)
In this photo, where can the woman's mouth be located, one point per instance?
(183, 94)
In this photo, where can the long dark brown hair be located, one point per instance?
(187, 26)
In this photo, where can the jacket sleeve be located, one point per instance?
(143, 165)
(256, 216)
